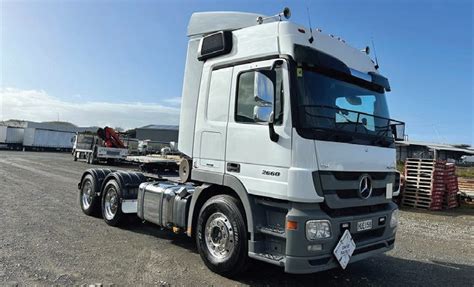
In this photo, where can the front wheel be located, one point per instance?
(222, 236)
(111, 204)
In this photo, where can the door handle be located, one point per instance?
(233, 167)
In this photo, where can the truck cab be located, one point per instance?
(301, 127)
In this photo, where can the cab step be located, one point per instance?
(275, 259)
(273, 231)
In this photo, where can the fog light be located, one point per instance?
(394, 219)
(318, 229)
(315, 247)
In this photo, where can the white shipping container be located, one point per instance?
(35, 137)
(11, 135)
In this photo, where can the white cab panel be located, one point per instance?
(211, 119)
(351, 56)
(300, 176)
(336, 156)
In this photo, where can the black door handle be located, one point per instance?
(233, 167)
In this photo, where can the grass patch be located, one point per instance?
(401, 166)
(467, 172)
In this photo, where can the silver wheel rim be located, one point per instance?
(219, 235)
(87, 195)
(110, 203)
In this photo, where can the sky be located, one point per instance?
(121, 63)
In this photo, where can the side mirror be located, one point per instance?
(261, 114)
(398, 131)
(264, 95)
(263, 92)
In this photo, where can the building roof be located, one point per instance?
(160, 127)
(436, 146)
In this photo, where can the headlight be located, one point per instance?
(318, 229)
(394, 218)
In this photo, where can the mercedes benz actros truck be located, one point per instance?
(287, 150)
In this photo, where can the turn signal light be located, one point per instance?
(291, 225)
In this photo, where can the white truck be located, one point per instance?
(288, 151)
(91, 149)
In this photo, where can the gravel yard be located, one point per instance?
(45, 239)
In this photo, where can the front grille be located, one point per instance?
(354, 193)
(341, 188)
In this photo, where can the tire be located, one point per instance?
(221, 236)
(184, 170)
(90, 204)
(111, 204)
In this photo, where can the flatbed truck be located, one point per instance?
(288, 151)
(90, 148)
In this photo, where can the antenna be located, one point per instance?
(375, 55)
(311, 39)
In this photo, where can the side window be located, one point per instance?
(246, 102)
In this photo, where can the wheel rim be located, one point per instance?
(87, 194)
(110, 203)
(219, 235)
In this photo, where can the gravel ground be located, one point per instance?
(45, 239)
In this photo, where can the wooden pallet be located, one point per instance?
(429, 184)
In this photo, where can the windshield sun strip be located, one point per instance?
(337, 75)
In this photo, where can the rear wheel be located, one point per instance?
(111, 204)
(222, 236)
(90, 203)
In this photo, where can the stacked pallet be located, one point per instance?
(466, 184)
(466, 189)
(429, 184)
(451, 182)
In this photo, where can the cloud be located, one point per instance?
(176, 101)
(37, 105)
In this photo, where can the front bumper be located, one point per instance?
(300, 259)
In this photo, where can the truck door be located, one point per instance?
(258, 162)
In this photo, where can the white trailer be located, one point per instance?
(46, 139)
(288, 151)
(11, 137)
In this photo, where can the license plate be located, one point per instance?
(364, 225)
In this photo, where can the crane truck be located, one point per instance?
(287, 146)
(105, 145)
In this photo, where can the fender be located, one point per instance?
(234, 184)
(127, 181)
(99, 174)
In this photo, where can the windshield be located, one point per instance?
(332, 109)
